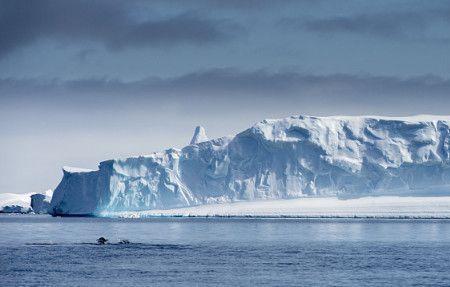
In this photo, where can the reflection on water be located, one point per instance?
(41, 250)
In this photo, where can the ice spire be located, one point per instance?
(199, 135)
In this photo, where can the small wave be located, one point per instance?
(155, 246)
(41, 243)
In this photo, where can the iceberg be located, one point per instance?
(25, 202)
(15, 203)
(290, 158)
(40, 203)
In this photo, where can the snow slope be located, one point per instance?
(301, 156)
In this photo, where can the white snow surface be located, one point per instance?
(48, 194)
(295, 157)
(72, 169)
(330, 207)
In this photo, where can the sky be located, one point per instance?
(85, 81)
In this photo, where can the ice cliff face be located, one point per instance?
(285, 158)
(40, 203)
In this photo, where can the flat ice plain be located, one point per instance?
(330, 207)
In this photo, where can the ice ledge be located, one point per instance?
(330, 207)
(415, 118)
(70, 169)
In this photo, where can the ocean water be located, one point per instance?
(47, 251)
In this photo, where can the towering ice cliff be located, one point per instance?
(285, 158)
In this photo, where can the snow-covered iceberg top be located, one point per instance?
(71, 169)
(299, 156)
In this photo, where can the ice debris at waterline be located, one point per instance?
(398, 207)
(301, 156)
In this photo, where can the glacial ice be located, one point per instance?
(25, 202)
(40, 202)
(199, 135)
(310, 207)
(300, 156)
(15, 203)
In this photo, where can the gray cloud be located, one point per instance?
(244, 5)
(108, 22)
(414, 25)
(260, 84)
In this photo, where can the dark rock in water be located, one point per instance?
(102, 240)
(124, 241)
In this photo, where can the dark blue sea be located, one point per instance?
(47, 251)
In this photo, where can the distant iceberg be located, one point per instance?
(295, 157)
(15, 203)
(40, 202)
(25, 202)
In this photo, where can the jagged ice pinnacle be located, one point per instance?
(199, 135)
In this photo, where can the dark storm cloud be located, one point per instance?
(184, 28)
(386, 25)
(245, 5)
(108, 22)
(391, 24)
(261, 83)
(267, 83)
(255, 4)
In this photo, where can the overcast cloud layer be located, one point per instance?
(84, 81)
(110, 23)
